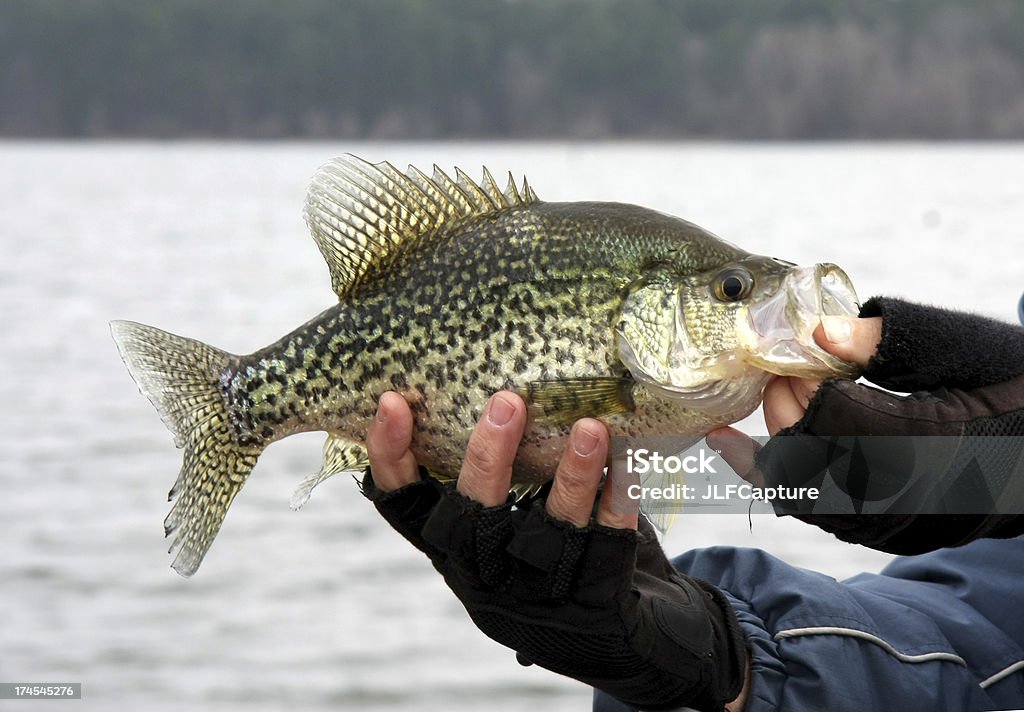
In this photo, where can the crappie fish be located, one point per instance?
(450, 290)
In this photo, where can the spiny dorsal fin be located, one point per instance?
(364, 215)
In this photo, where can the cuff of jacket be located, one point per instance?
(924, 347)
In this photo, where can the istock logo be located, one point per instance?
(643, 461)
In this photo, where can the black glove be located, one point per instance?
(601, 605)
(967, 377)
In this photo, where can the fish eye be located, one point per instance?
(733, 285)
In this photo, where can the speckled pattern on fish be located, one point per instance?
(450, 290)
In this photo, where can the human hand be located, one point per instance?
(967, 374)
(850, 338)
(580, 593)
(486, 473)
(786, 398)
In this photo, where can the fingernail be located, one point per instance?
(381, 416)
(837, 329)
(584, 441)
(500, 411)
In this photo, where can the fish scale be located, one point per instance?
(449, 291)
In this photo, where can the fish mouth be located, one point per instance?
(782, 327)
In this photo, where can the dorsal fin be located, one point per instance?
(363, 216)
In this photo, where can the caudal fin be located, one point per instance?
(180, 377)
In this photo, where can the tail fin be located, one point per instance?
(180, 377)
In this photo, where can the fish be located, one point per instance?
(451, 289)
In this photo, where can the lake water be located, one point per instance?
(328, 609)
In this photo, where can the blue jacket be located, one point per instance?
(939, 631)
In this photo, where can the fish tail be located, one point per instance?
(181, 378)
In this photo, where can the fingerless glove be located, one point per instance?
(966, 374)
(601, 605)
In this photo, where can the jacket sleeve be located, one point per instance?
(928, 632)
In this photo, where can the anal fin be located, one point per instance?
(340, 455)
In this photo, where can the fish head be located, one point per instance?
(777, 329)
(715, 338)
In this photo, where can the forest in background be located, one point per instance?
(426, 69)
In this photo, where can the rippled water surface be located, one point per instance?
(327, 608)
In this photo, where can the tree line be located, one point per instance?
(418, 69)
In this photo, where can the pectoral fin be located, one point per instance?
(340, 455)
(567, 400)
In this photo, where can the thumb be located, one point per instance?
(850, 338)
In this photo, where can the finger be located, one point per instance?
(487, 470)
(785, 401)
(387, 442)
(803, 390)
(579, 473)
(739, 450)
(781, 409)
(850, 338)
(617, 509)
